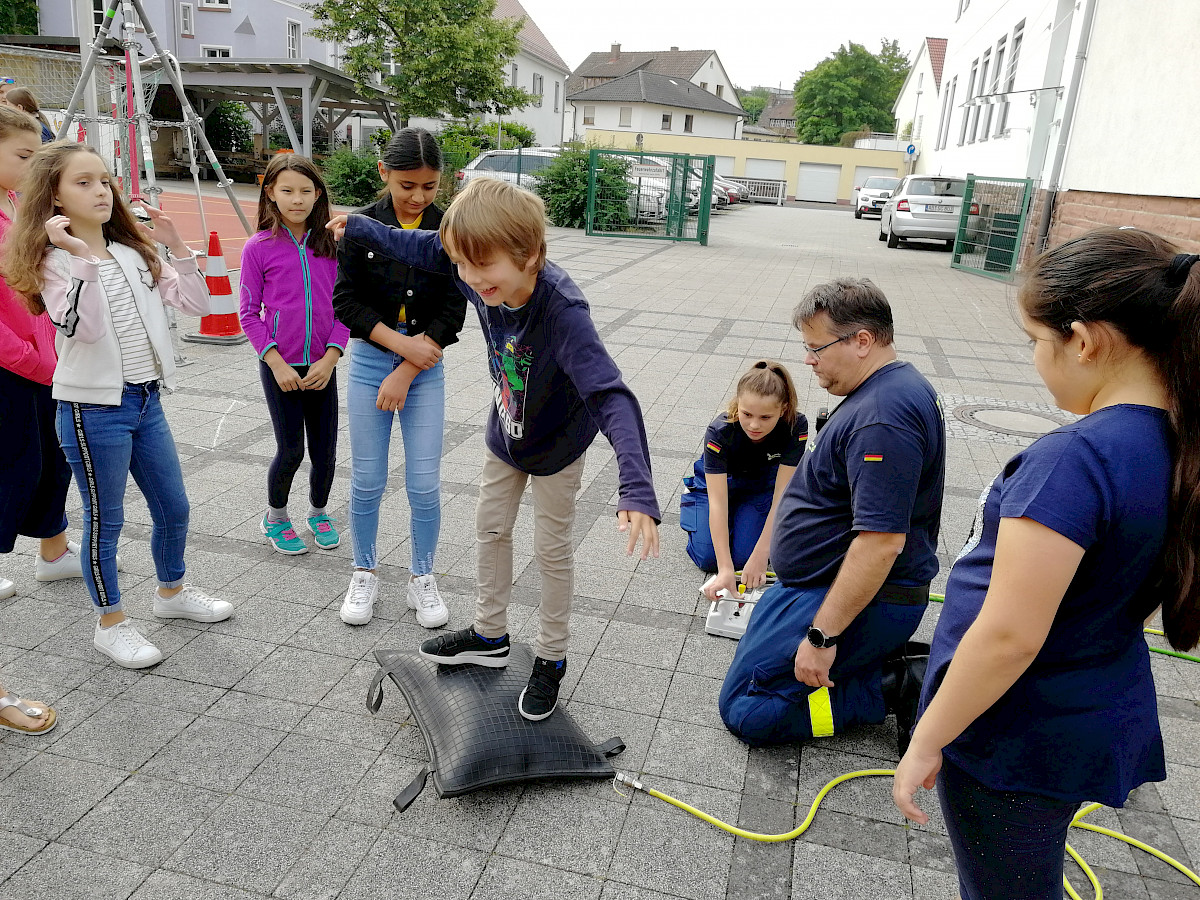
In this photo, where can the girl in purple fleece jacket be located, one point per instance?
(288, 270)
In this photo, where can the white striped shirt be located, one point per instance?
(138, 362)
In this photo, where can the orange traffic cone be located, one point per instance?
(221, 326)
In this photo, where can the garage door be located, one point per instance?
(818, 182)
(724, 165)
(862, 173)
(766, 168)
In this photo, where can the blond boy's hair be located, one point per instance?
(492, 216)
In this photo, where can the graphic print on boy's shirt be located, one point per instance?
(510, 365)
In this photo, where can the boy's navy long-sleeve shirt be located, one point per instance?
(554, 384)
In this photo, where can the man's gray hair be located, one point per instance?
(852, 304)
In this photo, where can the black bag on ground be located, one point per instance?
(475, 734)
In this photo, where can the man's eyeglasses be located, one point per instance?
(816, 351)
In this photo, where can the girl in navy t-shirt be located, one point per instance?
(750, 453)
(1039, 694)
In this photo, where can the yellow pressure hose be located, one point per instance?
(1076, 822)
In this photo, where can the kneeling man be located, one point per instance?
(855, 540)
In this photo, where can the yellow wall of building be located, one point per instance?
(792, 154)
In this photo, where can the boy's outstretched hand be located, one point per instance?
(337, 225)
(639, 525)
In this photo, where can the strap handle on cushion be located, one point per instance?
(405, 798)
(375, 691)
(612, 747)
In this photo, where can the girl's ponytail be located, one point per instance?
(1181, 601)
(769, 379)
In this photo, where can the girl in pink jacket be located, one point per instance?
(77, 253)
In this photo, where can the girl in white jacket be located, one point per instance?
(80, 255)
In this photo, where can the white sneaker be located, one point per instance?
(7, 589)
(423, 596)
(69, 565)
(359, 603)
(192, 603)
(125, 646)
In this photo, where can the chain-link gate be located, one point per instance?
(991, 225)
(663, 196)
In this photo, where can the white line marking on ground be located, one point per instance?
(217, 436)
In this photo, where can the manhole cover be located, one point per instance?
(1006, 420)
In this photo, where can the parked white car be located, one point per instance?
(870, 197)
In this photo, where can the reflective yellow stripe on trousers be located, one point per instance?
(820, 713)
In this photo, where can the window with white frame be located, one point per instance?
(539, 88)
(209, 52)
(99, 7)
(704, 85)
(720, 90)
(293, 39)
(998, 73)
(589, 115)
(215, 4)
(187, 20)
(666, 122)
(626, 117)
(985, 114)
(557, 89)
(968, 109)
(1010, 79)
(947, 115)
(514, 74)
(687, 123)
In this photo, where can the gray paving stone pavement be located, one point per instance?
(246, 766)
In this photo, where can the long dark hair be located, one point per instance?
(24, 98)
(269, 219)
(412, 148)
(1141, 285)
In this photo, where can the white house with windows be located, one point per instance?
(644, 102)
(279, 30)
(661, 88)
(1083, 97)
(917, 103)
(211, 29)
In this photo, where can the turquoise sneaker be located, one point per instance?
(323, 532)
(283, 537)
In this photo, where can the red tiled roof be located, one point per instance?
(532, 40)
(937, 56)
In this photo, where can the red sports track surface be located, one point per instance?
(220, 217)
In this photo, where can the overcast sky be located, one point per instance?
(767, 42)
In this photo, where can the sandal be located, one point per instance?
(34, 712)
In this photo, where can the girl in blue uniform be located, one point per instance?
(1039, 694)
(750, 453)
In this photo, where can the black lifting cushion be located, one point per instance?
(475, 734)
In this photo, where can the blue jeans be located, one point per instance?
(749, 506)
(1007, 845)
(421, 424)
(104, 445)
(762, 702)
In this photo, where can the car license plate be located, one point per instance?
(876, 204)
(939, 207)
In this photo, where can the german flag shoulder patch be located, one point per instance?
(872, 457)
(713, 446)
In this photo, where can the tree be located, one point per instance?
(436, 56)
(19, 17)
(850, 89)
(754, 101)
(228, 128)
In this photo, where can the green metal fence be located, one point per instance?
(660, 196)
(991, 225)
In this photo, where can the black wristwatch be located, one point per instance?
(821, 640)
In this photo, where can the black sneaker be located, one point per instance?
(902, 680)
(540, 696)
(466, 647)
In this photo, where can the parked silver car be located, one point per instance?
(509, 165)
(924, 206)
(870, 196)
